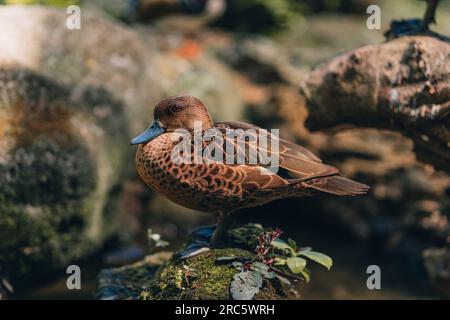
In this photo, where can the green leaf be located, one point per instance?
(259, 266)
(263, 269)
(318, 257)
(306, 274)
(296, 264)
(245, 285)
(281, 245)
(154, 241)
(280, 261)
(283, 280)
(292, 244)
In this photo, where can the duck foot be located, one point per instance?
(411, 27)
(205, 238)
(194, 249)
(406, 27)
(203, 233)
(200, 242)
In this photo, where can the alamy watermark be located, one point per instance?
(73, 21)
(74, 280)
(374, 280)
(373, 22)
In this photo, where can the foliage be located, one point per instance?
(246, 284)
(154, 241)
(183, 277)
(274, 258)
(291, 259)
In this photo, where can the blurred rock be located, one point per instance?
(136, 66)
(437, 262)
(62, 156)
(127, 282)
(351, 6)
(400, 85)
(187, 16)
(262, 60)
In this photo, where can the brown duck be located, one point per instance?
(217, 186)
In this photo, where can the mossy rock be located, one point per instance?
(199, 277)
(127, 282)
(208, 279)
(60, 167)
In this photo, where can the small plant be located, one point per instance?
(154, 241)
(274, 258)
(183, 276)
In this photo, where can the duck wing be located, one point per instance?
(296, 163)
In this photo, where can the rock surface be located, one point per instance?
(60, 160)
(402, 84)
(437, 262)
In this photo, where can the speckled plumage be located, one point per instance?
(219, 187)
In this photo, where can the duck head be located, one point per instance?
(180, 112)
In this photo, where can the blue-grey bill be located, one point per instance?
(148, 135)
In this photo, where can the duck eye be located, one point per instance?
(175, 108)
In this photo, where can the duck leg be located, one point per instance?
(430, 14)
(201, 245)
(223, 223)
(411, 27)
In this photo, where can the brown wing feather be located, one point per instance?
(302, 165)
(298, 162)
(338, 185)
(295, 149)
(255, 179)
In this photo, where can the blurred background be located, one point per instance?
(71, 100)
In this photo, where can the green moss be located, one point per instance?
(127, 282)
(59, 178)
(42, 213)
(45, 173)
(208, 280)
(245, 237)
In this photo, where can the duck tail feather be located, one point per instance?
(340, 185)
